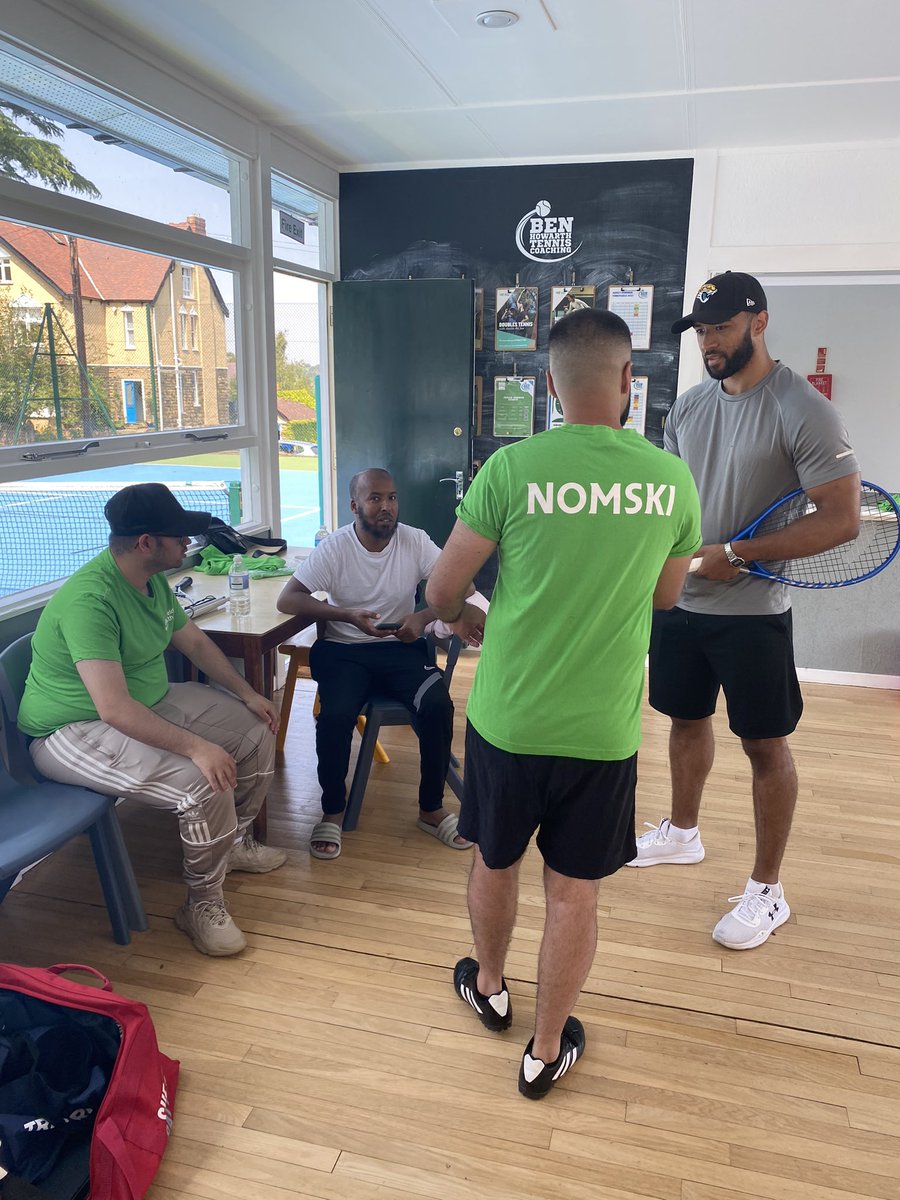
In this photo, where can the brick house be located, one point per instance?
(154, 327)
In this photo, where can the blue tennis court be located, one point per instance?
(49, 528)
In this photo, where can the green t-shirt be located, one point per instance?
(97, 614)
(585, 517)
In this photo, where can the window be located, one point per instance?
(300, 306)
(298, 225)
(140, 163)
(128, 326)
(51, 525)
(170, 307)
(27, 311)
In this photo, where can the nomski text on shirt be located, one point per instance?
(654, 498)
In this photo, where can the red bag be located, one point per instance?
(135, 1116)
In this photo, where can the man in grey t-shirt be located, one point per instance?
(754, 432)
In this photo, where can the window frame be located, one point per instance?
(128, 326)
(255, 152)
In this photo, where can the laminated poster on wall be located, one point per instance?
(555, 416)
(637, 415)
(514, 406)
(634, 304)
(516, 320)
(564, 300)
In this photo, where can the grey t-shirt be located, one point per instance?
(745, 452)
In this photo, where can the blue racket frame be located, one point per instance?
(753, 568)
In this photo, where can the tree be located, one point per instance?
(292, 376)
(24, 156)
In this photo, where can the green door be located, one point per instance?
(403, 366)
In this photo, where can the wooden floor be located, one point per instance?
(331, 1059)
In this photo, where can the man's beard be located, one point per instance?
(734, 362)
(383, 532)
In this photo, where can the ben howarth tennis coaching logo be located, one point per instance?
(549, 238)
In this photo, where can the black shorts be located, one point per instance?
(582, 808)
(692, 655)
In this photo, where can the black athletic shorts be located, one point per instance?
(582, 808)
(692, 655)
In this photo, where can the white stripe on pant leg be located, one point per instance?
(429, 682)
(69, 754)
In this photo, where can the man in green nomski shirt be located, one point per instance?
(100, 710)
(594, 527)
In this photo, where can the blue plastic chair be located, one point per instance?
(38, 815)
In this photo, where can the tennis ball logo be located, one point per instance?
(543, 238)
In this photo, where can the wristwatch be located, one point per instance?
(734, 559)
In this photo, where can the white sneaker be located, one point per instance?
(251, 855)
(658, 846)
(210, 928)
(754, 917)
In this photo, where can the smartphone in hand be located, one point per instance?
(389, 625)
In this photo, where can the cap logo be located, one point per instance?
(751, 303)
(706, 292)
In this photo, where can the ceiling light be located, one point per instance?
(496, 18)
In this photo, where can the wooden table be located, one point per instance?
(252, 639)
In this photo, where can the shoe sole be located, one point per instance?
(489, 1018)
(198, 945)
(256, 870)
(761, 937)
(676, 860)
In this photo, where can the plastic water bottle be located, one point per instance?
(321, 535)
(238, 588)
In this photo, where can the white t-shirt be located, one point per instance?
(382, 581)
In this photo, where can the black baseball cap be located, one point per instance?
(722, 298)
(151, 508)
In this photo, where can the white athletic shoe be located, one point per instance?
(658, 846)
(754, 917)
(250, 855)
(210, 927)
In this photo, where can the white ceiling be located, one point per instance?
(370, 83)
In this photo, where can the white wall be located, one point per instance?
(807, 210)
(797, 217)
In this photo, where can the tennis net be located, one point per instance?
(49, 530)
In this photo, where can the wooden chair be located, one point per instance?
(38, 815)
(298, 667)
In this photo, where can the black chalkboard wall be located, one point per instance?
(627, 217)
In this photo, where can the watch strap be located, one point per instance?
(734, 559)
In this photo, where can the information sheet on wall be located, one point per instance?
(634, 304)
(514, 405)
(637, 415)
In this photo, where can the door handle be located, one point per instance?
(458, 480)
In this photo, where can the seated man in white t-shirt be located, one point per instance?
(373, 644)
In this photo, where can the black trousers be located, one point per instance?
(348, 676)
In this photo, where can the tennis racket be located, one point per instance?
(874, 547)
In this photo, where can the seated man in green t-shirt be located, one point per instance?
(101, 712)
(594, 527)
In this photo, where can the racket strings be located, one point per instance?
(876, 542)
